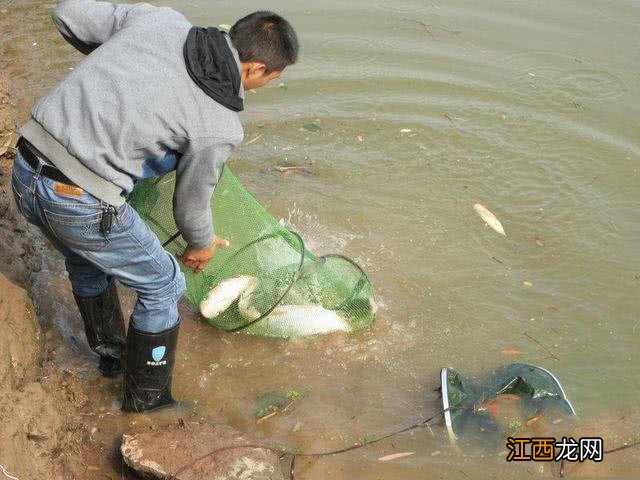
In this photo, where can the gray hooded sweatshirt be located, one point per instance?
(130, 111)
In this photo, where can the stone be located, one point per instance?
(184, 451)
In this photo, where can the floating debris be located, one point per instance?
(311, 127)
(512, 352)
(534, 419)
(360, 138)
(288, 170)
(515, 425)
(527, 284)
(254, 139)
(225, 27)
(489, 218)
(405, 130)
(283, 86)
(545, 348)
(539, 241)
(272, 403)
(395, 456)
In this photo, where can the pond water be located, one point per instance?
(425, 108)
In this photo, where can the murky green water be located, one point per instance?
(530, 108)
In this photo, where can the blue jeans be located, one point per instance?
(130, 253)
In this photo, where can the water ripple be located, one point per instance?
(554, 81)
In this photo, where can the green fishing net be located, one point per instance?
(266, 282)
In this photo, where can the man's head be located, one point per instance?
(267, 44)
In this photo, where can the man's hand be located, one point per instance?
(198, 258)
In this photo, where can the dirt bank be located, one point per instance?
(17, 258)
(41, 431)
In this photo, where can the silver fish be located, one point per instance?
(246, 301)
(302, 320)
(224, 294)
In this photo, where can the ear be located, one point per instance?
(257, 69)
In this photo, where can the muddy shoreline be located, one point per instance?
(43, 431)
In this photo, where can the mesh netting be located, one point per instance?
(266, 282)
(511, 397)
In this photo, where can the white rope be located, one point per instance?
(7, 474)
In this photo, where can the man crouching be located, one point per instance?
(154, 94)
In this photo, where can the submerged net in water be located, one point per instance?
(266, 282)
(510, 398)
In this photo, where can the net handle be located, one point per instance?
(171, 239)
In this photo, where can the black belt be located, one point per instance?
(31, 154)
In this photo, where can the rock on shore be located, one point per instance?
(184, 452)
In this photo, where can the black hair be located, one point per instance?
(265, 37)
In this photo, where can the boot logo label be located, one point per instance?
(158, 354)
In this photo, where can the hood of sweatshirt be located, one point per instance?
(213, 67)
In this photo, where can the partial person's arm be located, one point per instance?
(87, 24)
(196, 177)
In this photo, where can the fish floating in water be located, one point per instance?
(224, 294)
(489, 218)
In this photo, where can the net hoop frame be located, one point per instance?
(294, 279)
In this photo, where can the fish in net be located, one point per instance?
(266, 282)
